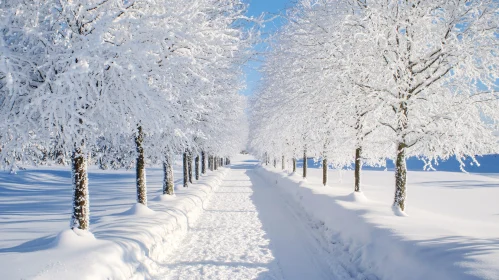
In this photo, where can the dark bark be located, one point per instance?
(185, 170)
(203, 162)
(275, 163)
(80, 217)
(141, 168)
(400, 164)
(196, 167)
(305, 163)
(400, 177)
(324, 171)
(294, 165)
(168, 176)
(189, 165)
(283, 162)
(358, 168)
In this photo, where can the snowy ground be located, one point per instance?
(250, 231)
(258, 223)
(34, 218)
(452, 231)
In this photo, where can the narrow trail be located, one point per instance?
(248, 232)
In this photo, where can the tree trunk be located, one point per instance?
(186, 170)
(189, 165)
(358, 167)
(80, 217)
(400, 177)
(275, 163)
(324, 171)
(215, 162)
(141, 168)
(203, 162)
(305, 163)
(168, 176)
(196, 167)
(283, 162)
(294, 165)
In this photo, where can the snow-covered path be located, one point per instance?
(247, 231)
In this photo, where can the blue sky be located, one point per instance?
(256, 8)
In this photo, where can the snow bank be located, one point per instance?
(451, 231)
(127, 240)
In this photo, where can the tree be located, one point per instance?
(79, 77)
(425, 88)
(436, 70)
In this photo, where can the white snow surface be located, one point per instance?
(450, 229)
(248, 230)
(251, 222)
(125, 239)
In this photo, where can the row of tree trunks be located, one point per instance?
(400, 172)
(80, 217)
(189, 170)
